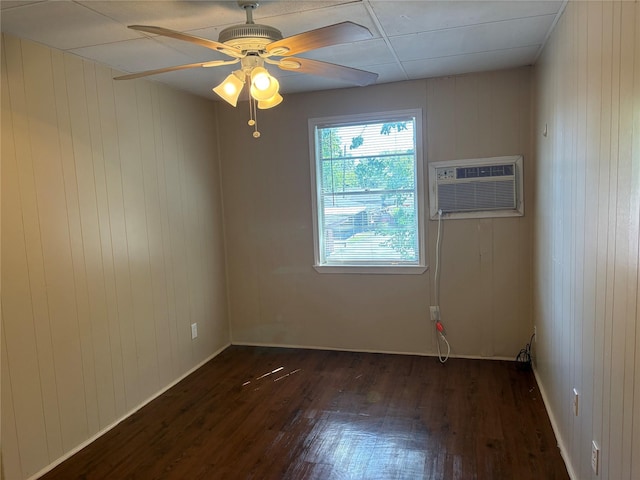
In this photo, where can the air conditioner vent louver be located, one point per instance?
(485, 187)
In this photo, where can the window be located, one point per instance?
(367, 193)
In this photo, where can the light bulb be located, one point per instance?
(229, 88)
(262, 81)
(263, 85)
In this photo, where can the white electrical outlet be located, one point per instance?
(595, 457)
(194, 330)
(435, 313)
(576, 395)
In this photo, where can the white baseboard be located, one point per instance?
(389, 352)
(93, 438)
(554, 425)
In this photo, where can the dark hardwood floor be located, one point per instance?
(266, 413)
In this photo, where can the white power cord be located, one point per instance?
(439, 327)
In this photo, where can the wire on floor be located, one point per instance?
(524, 356)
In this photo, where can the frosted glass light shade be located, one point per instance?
(272, 102)
(230, 88)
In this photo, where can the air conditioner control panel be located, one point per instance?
(446, 173)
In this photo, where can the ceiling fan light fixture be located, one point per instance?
(263, 85)
(230, 88)
(270, 103)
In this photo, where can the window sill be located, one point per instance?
(373, 270)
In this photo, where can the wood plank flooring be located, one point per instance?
(271, 413)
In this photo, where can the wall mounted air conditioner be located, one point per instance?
(476, 188)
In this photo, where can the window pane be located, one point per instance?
(367, 193)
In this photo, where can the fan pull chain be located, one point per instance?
(253, 117)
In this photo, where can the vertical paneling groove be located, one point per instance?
(90, 241)
(635, 213)
(7, 151)
(592, 55)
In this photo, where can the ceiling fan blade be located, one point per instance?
(146, 73)
(344, 32)
(204, 42)
(330, 70)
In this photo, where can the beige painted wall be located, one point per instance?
(587, 209)
(112, 246)
(277, 298)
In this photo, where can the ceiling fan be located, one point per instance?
(253, 45)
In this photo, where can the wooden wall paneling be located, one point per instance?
(164, 151)
(76, 241)
(489, 118)
(19, 335)
(115, 200)
(90, 236)
(56, 249)
(609, 163)
(217, 301)
(183, 222)
(440, 96)
(597, 119)
(207, 246)
(79, 314)
(576, 151)
(176, 229)
(525, 234)
(190, 173)
(110, 307)
(588, 142)
(635, 216)
(558, 173)
(570, 282)
(11, 465)
(8, 432)
(483, 115)
(625, 275)
(149, 153)
(135, 217)
(564, 212)
(502, 128)
(485, 302)
(542, 120)
(509, 296)
(468, 130)
(597, 111)
(104, 280)
(35, 262)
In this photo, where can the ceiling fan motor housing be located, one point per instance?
(249, 36)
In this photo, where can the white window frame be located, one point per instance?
(373, 268)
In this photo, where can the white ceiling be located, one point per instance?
(410, 39)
